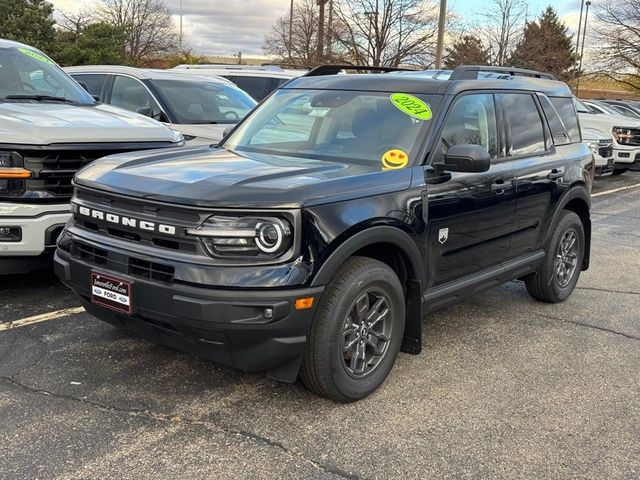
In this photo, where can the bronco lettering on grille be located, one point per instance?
(126, 221)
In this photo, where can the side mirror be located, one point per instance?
(227, 130)
(83, 85)
(466, 158)
(146, 111)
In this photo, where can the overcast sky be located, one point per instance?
(225, 27)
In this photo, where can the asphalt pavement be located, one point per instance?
(506, 388)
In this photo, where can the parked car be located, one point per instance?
(51, 128)
(256, 81)
(628, 108)
(341, 210)
(601, 144)
(202, 108)
(625, 133)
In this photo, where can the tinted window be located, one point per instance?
(567, 111)
(93, 82)
(131, 94)
(472, 120)
(558, 130)
(195, 102)
(257, 87)
(527, 131)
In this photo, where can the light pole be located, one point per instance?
(584, 34)
(579, 27)
(290, 31)
(440, 44)
(180, 24)
(320, 52)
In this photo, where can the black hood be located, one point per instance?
(213, 177)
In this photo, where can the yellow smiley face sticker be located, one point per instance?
(394, 160)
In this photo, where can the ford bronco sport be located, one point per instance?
(312, 240)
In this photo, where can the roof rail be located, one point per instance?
(220, 66)
(336, 69)
(470, 72)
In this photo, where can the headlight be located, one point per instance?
(12, 173)
(264, 238)
(594, 146)
(622, 135)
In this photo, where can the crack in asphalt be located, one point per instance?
(587, 325)
(330, 469)
(606, 290)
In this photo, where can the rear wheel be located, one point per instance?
(557, 276)
(356, 333)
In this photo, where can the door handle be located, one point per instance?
(555, 174)
(500, 186)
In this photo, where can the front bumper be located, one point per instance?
(224, 325)
(40, 225)
(626, 156)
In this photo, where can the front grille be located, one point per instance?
(150, 270)
(181, 218)
(54, 166)
(605, 148)
(121, 263)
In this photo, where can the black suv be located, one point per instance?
(314, 238)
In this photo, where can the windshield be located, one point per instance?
(581, 107)
(194, 102)
(26, 74)
(335, 125)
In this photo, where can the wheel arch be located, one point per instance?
(577, 200)
(394, 247)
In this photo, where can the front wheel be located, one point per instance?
(356, 333)
(556, 278)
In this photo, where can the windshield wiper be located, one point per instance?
(38, 98)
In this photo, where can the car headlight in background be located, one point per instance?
(622, 135)
(594, 146)
(256, 237)
(11, 166)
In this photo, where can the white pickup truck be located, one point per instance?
(50, 128)
(623, 131)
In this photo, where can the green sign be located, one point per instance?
(34, 55)
(411, 106)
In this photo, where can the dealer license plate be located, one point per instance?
(111, 293)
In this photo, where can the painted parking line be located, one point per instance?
(607, 192)
(40, 318)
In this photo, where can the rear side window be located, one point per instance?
(93, 82)
(257, 87)
(523, 118)
(567, 111)
(558, 130)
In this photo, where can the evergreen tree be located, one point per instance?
(545, 46)
(28, 21)
(95, 44)
(467, 51)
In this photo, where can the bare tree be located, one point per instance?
(75, 23)
(387, 32)
(618, 31)
(500, 27)
(151, 32)
(304, 34)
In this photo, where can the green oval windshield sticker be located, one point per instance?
(411, 106)
(34, 55)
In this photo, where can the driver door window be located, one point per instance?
(131, 94)
(472, 120)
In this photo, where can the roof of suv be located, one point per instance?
(418, 82)
(144, 73)
(240, 72)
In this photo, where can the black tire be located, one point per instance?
(548, 283)
(326, 368)
(620, 171)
